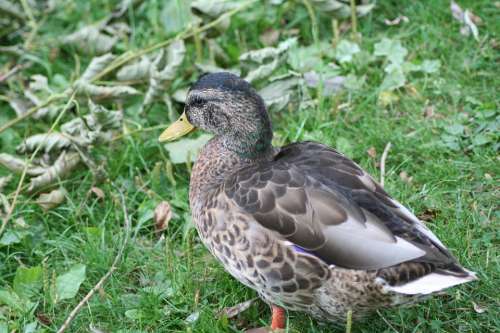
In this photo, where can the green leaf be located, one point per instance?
(176, 16)
(430, 66)
(455, 129)
(345, 51)
(14, 302)
(391, 49)
(13, 237)
(393, 80)
(187, 149)
(28, 281)
(67, 285)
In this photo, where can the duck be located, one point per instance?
(303, 225)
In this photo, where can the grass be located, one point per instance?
(161, 285)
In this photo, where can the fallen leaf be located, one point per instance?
(17, 165)
(53, 199)
(96, 65)
(62, 167)
(104, 92)
(478, 308)
(163, 71)
(341, 9)
(43, 318)
(28, 281)
(269, 37)
(386, 98)
(162, 215)
(192, 318)
(397, 20)
(428, 214)
(50, 142)
(98, 192)
(233, 311)
(405, 178)
(466, 18)
(138, 70)
(372, 152)
(4, 181)
(91, 40)
(429, 111)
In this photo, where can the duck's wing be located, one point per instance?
(326, 205)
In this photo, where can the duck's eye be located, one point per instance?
(197, 102)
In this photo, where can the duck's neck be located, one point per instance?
(218, 159)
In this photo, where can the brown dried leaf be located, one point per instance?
(159, 78)
(91, 40)
(48, 141)
(62, 167)
(372, 152)
(96, 65)
(98, 192)
(53, 199)
(105, 92)
(162, 215)
(233, 311)
(269, 37)
(397, 20)
(404, 177)
(4, 181)
(478, 308)
(136, 71)
(428, 215)
(17, 165)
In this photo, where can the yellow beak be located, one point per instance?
(176, 130)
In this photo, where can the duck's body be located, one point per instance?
(303, 225)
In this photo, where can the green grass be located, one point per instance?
(161, 282)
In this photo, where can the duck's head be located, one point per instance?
(227, 106)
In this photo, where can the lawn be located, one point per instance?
(80, 200)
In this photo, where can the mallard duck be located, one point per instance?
(303, 225)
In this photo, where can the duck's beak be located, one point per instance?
(176, 130)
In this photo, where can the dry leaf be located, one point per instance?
(62, 167)
(11, 9)
(478, 308)
(331, 84)
(49, 142)
(90, 40)
(102, 118)
(97, 64)
(372, 152)
(233, 311)
(269, 37)
(162, 215)
(98, 192)
(397, 20)
(53, 199)
(159, 78)
(467, 19)
(17, 165)
(428, 215)
(105, 92)
(4, 181)
(429, 111)
(136, 71)
(404, 177)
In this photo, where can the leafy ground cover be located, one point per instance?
(86, 86)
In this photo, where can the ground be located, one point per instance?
(442, 163)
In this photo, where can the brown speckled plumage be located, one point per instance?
(303, 225)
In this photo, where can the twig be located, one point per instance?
(13, 71)
(106, 276)
(33, 110)
(25, 170)
(354, 20)
(382, 163)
